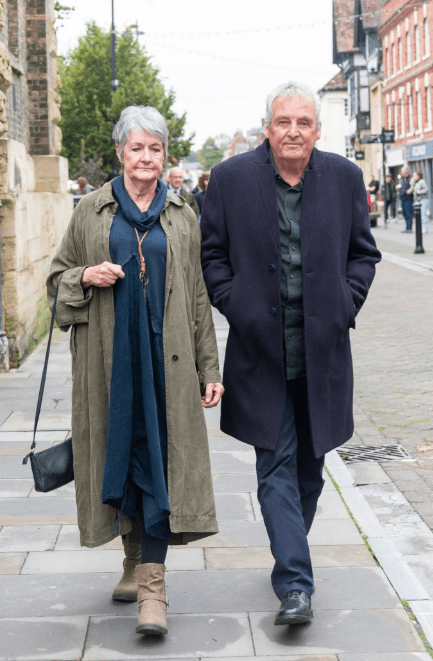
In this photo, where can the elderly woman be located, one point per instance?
(421, 196)
(143, 344)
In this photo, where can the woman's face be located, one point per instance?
(143, 157)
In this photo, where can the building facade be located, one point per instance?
(335, 118)
(35, 205)
(407, 85)
(358, 53)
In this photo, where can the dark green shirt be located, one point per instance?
(289, 199)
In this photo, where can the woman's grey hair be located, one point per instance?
(291, 90)
(141, 117)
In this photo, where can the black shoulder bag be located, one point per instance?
(52, 468)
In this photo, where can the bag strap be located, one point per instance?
(43, 378)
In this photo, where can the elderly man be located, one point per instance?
(175, 184)
(288, 258)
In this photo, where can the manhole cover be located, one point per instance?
(355, 453)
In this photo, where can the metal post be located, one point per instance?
(385, 208)
(417, 213)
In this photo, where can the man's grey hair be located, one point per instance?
(291, 90)
(141, 117)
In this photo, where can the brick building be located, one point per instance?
(407, 87)
(35, 205)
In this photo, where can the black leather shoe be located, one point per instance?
(295, 608)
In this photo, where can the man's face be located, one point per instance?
(293, 131)
(176, 177)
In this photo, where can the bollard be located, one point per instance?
(418, 234)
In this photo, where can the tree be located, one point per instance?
(209, 155)
(90, 107)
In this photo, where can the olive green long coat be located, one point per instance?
(190, 358)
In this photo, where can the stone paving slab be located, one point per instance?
(94, 560)
(297, 657)
(236, 533)
(37, 638)
(330, 506)
(326, 532)
(236, 461)
(261, 557)
(68, 491)
(422, 567)
(218, 635)
(28, 538)
(12, 467)
(368, 473)
(234, 482)
(336, 632)
(20, 449)
(25, 421)
(26, 437)
(227, 444)
(11, 563)
(234, 506)
(4, 415)
(15, 488)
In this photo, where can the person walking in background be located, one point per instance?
(175, 184)
(288, 257)
(131, 288)
(84, 188)
(406, 198)
(203, 181)
(420, 194)
(373, 188)
(388, 194)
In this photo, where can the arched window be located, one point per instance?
(417, 44)
(426, 38)
(400, 55)
(408, 49)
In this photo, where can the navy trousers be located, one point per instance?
(289, 485)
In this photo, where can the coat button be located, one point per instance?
(272, 268)
(273, 311)
(169, 291)
(170, 223)
(175, 358)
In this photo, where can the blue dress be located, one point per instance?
(136, 460)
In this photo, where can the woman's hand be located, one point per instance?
(213, 394)
(103, 275)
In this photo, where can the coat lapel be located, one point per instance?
(265, 180)
(310, 197)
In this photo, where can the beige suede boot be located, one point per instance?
(152, 602)
(126, 589)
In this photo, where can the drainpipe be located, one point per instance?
(4, 344)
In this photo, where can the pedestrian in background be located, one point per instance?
(405, 192)
(143, 343)
(288, 257)
(84, 188)
(175, 184)
(420, 194)
(373, 188)
(203, 181)
(389, 194)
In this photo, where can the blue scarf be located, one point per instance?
(141, 220)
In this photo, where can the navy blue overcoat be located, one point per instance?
(241, 258)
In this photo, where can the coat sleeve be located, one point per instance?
(205, 339)
(217, 270)
(65, 272)
(362, 254)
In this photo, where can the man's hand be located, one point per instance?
(213, 394)
(103, 275)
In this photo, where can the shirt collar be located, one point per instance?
(298, 186)
(175, 190)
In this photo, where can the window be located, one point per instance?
(396, 118)
(346, 107)
(408, 49)
(349, 147)
(419, 110)
(426, 38)
(410, 114)
(402, 118)
(400, 55)
(394, 62)
(389, 117)
(417, 44)
(428, 106)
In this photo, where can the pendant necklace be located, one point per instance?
(144, 278)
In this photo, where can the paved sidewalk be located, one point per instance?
(56, 597)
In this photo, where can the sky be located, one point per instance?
(221, 58)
